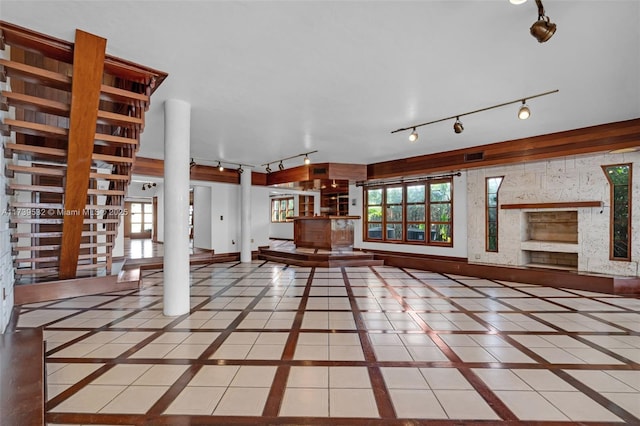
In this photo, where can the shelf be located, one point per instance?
(570, 204)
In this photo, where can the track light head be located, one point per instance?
(268, 168)
(192, 164)
(542, 29)
(307, 161)
(220, 168)
(154, 184)
(457, 126)
(524, 112)
(281, 166)
(240, 169)
(413, 136)
(144, 186)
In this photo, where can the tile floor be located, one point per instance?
(266, 343)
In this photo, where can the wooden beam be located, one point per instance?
(88, 67)
(568, 204)
(587, 140)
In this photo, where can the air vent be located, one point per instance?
(320, 171)
(474, 156)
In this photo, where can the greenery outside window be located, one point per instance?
(416, 213)
(619, 176)
(282, 209)
(492, 186)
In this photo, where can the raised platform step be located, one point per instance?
(201, 257)
(304, 257)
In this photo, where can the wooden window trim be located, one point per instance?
(611, 211)
(486, 213)
(427, 203)
(287, 218)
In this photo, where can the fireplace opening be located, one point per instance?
(553, 226)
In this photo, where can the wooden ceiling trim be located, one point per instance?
(88, 67)
(587, 140)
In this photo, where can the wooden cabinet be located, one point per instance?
(305, 205)
(324, 232)
(335, 204)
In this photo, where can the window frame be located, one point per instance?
(487, 216)
(289, 212)
(428, 240)
(612, 210)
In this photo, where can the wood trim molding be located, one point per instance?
(88, 67)
(587, 140)
(570, 204)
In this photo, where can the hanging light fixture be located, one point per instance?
(307, 161)
(542, 29)
(220, 168)
(413, 136)
(524, 112)
(457, 126)
(334, 184)
(281, 166)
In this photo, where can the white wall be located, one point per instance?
(561, 180)
(459, 248)
(202, 235)
(6, 263)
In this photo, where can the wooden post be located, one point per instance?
(88, 66)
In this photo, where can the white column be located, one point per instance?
(177, 120)
(245, 223)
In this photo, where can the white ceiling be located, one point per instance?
(272, 79)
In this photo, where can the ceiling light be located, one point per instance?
(413, 136)
(268, 168)
(517, 1)
(334, 184)
(281, 166)
(220, 168)
(144, 186)
(524, 112)
(240, 170)
(307, 161)
(457, 126)
(542, 29)
(192, 164)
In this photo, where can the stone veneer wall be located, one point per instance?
(562, 180)
(6, 264)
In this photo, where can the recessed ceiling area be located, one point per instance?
(271, 79)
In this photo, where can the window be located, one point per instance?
(141, 217)
(281, 209)
(619, 177)
(492, 186)
(404, 212)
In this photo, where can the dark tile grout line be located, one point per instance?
(385, 406)
(499, 407)
(591, 393)
(365, 331)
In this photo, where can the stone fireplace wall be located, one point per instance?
(573, 179)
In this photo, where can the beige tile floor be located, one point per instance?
(377, 345)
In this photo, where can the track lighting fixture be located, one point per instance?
(220, 168)
(146, 186)
(542, 29)
(192, 164)
(413, 136)
(457, 126)
(240, 169)
(280, 163)
(523, 114)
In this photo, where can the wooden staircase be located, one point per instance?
(70, 137)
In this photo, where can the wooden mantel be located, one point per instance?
(569, 204)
